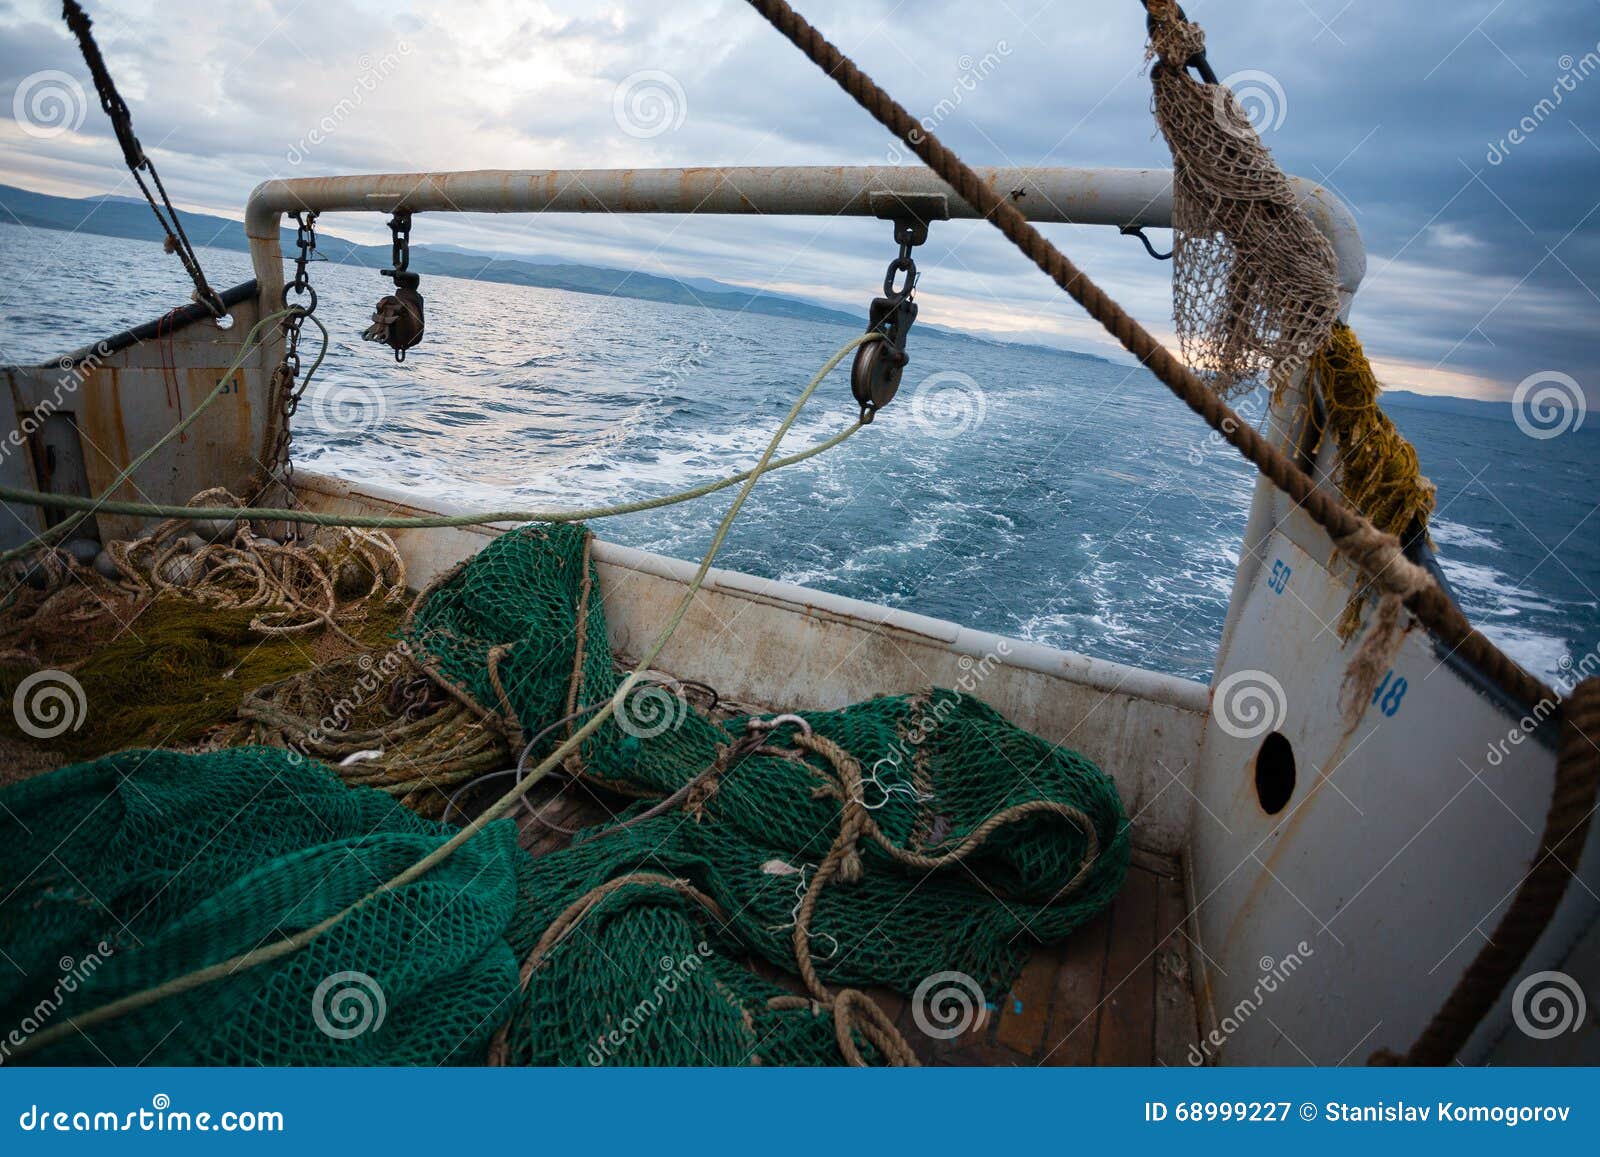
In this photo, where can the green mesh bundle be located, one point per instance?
(936, 766)
(652, 941)
(139, 867)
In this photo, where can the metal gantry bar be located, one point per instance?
(1114, 197)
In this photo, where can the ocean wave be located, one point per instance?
(1447, 533)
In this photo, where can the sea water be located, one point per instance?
(1057, 497)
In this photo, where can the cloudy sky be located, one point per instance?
(1465, 138)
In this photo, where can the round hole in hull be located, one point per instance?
(1275, 773)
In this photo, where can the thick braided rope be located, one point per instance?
(1572, 806)
(1429, 603)
(1375, 553)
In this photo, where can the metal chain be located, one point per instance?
(906, 233)
(134, 155)
(289, 385)
(400, 245)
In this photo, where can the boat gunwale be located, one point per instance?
(1085, 670)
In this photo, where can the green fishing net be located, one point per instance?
(129, 871)
(656, 941)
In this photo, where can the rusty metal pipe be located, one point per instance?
(1114, 197)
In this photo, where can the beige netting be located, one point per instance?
(1255, 292)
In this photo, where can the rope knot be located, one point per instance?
(1379, 555)
(1173, 39)
(850, 869)
(705, 787)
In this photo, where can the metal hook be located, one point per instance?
(1138, 231)
(778, 721)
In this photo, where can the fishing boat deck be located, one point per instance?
(1117, 992)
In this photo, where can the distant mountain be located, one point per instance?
(130, 217)
(1466, 407)
(126, 217)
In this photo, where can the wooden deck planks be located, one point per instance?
(1114, 993)
(1127, 1033)
(1075, 1016)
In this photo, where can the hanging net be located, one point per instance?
(1254, 285)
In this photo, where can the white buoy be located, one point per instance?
(181, 570)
